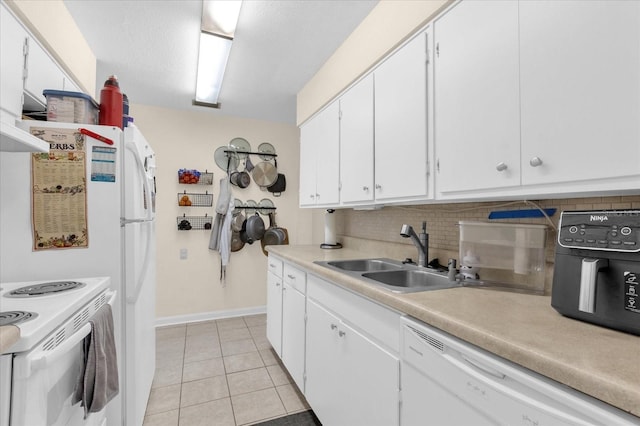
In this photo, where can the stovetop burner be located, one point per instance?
(15, 317)
(45, 289)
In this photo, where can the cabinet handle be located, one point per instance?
(277, 284)
(312, 196)
(378, 186)
(341, 333)
(272, 265)
(333, 326)
(365, 188)
(291, 277)
(317, 195)
(501, 167)
(535, 162)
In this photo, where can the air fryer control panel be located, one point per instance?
(610, 230)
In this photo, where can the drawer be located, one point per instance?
(377, 321)
(274, 265)
(295, 277)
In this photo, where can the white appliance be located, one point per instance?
(40, 370)
(121, 235)
(448, 382)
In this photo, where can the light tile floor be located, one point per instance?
(219, 373)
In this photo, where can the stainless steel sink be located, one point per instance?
(363, 265)
(392, 274)
(409, 280)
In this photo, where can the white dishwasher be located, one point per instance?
(445, 381)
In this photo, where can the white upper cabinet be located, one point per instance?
(42, 74)
(12, 39)
(535, 98)
(319, 159)
(477, 117)
(401, 124)
(356, 143)
(580, 88)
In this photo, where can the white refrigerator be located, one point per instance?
(120, 207)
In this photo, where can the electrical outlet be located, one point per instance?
(184, 253)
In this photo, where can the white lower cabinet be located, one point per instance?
(351, 378)
(293, 323)
(274, 311)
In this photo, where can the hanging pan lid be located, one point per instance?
(264, 174)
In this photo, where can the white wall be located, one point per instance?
(189, 288)
(387, 26)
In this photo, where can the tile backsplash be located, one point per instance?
(442, 221)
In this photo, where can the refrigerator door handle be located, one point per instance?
(145, 182)
(133, 298)
(124, 221)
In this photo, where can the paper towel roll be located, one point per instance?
(329, 228)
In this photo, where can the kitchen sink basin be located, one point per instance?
(410, 280)
(391, 274)
(364, 265)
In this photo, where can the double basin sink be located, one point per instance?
(392, 275)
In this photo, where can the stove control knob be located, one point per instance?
(625, 231)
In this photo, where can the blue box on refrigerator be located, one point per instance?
(71, 107)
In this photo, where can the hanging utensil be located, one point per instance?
(275, 235)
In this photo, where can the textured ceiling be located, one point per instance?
(279, 45)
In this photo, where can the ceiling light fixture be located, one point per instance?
(219, 20)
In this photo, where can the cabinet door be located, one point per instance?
(401, 123)
(42, 73)
(477, 106)
(356, 143)
(274, 312)
(319, 158)
(325, 388)
(293, 326)
(12, 40)
(371, 376)
(307, 194)
(580, 71)
(350, 380)
(328, 156)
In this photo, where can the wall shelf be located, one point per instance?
(192, 223)
(189, 199)
(194, 177)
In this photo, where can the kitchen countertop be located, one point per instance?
(9, 334)
(522, 328)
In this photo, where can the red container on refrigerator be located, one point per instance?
(111, 103)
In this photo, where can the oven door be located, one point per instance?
(44, 379)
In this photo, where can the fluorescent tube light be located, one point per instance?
(220, 16)
(219, 20)
(212, 61)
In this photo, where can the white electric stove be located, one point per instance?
(45, 362)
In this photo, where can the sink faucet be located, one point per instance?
(421, 242)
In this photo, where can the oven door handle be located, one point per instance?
(40, 358)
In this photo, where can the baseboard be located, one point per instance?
(209, 316)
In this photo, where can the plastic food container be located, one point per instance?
(503, 252)
(71, 107)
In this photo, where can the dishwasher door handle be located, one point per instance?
(488, 370)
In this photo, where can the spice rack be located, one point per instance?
(189, 199)
(193, 176)
(192, 223)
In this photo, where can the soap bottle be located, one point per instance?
(111, 103)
